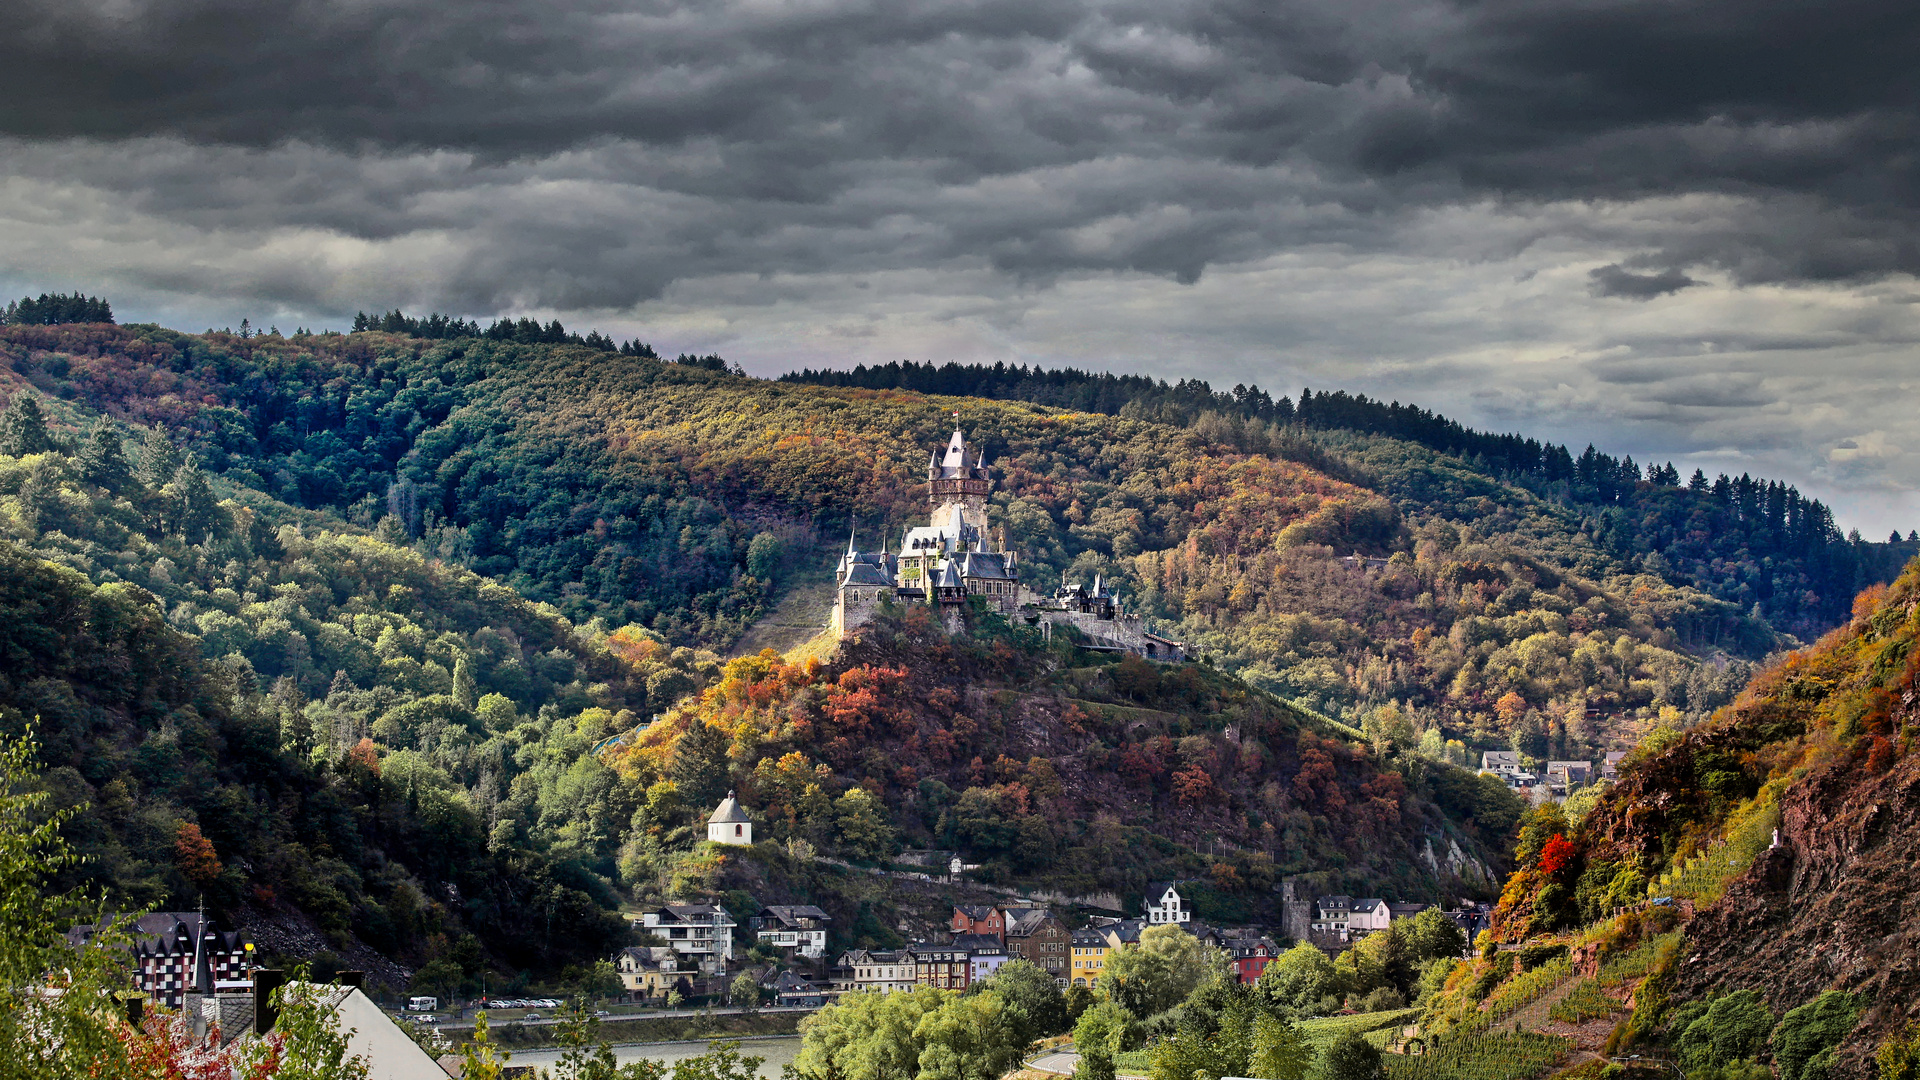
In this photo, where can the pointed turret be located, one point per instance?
(956, 458)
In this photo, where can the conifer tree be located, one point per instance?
(103, 459)
(197, 512)
(158, 459)
(700, 764)
(23, 427)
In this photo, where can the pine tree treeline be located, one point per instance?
(53, 309)
(438, 327)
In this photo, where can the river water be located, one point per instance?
(779, 1051)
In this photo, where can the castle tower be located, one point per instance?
(956, 490)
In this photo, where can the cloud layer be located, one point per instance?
(1608, 219)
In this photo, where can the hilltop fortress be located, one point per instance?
(958, 555)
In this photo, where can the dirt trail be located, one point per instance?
(800, 615)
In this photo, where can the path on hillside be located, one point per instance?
(797, 618)
(1064, 1062)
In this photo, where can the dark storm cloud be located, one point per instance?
(795, 127)
(1615, 280)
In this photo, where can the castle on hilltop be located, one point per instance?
(958, 555)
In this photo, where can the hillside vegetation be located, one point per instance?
(394, 593)
(1808, 942)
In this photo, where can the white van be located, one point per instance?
(422, 1004)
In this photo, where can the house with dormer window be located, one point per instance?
(1165, 904)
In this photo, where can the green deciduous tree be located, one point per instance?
(1302, 979)
(1035, 1007)
(56, 1018)
(968, 1038)
(1280, 1050)
(861, 822)
(1351, 1057)
(1167, 965)
(1806, 1036)
(1104, 1030)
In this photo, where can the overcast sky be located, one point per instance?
(1678, 229)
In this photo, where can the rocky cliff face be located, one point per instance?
(1828, 736)
(1836, 906)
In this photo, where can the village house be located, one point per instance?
(1037, 936)
(1331, 914)
(1610, 767)
(978, 919)
(729, 823)
(1367, 915)
(1164, 904)
(650, 971)
(1472, 916)
(1502, 762)
(1568, 774)
(701, 933)
(791, 990)
(1089, 956)
(944, 966)
(881, 970)
(178, 955)
(1121, 933)
(798, 930)
(1246, 949)
(985, 954)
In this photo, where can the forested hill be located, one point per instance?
(1748, 540)
(427, 576)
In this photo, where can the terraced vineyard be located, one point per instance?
(1504, 1055)
(1584, 1002)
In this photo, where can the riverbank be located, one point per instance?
(694, 1028)
(776, 1052)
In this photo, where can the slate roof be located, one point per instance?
(792, 914)
(1023, 922)
(979, 943)
(867, 574)
(728, 812)
(984, 564)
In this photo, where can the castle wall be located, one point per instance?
(1127, 631)
(854, 607)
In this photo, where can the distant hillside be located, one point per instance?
(1751, 541)
(486, 556)
(1820, 746)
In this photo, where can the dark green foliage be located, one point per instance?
(50, 309)
(699, 766)
(1727, 1028)
(1804, 1041)
(1036, 1009)
(1351, 1057)
(23, 427)
(103, 459)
